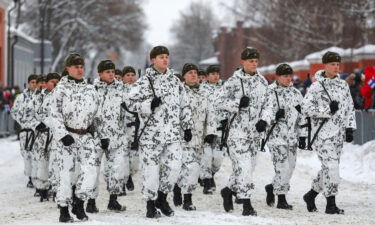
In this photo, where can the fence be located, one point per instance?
(365, 126)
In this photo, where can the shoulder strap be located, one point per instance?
(277, 99)
(151, 85)
(321, 83)
(243, 92)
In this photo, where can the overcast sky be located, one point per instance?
(162, 13)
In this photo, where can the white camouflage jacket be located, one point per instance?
(74, 105)
(254, 87)
(19, 110)
(287, 130)
(316, 106)
(129, 118)
(110, 117)
(203, 115)
(165, 123)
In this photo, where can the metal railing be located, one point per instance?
(6, 124)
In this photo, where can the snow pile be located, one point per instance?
(357, 163)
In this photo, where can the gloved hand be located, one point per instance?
(349, 135)
(302, 142)
(261, 126)
(188, 135)
(104, 143)
(298, 108)
(67, 140)
(156, 101)
(209, 138)
(334, 106)
(123, 105)
(280, 114)
(244, 102)
(41, 126)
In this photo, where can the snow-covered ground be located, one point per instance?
(357, 195)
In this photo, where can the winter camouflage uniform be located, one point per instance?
(203, 115)
(160, 143)
(331, 137)
(243, 139)
(110, 126)
(74, 106)
(133, 154)
(22, 116)
(283, 140)
(212, 155)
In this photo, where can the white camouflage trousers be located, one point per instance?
(190, 169)
(133, 158)
(53, 167)
(77, 166)
(40, 162)
(26, 155)
(161, 166)
(211, 160)
(242, 153)
(328, 178)
(116, 169)
(284, 162)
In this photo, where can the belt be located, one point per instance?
(76, 131)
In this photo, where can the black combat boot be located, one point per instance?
(151, 210)
(227, 194)
(162, 204)
(207, 187)
(130, 184)
(114, 205)
(248, 209)
(177, 198)
(309, 198)
(43, 195)
(64, 215)
(74, 197)
(30, 183)
(200, 182)
(188, 203)
(37, 193)
(331, 207)
(91, 206)
(270, 199)
(80, 211)
(282, 203)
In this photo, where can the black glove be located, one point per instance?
(187, 135)
(209, 138)
(41, 126)
(244, 102)
(302, 143)
(104, 143)
(280, 114)
(224, 124)
(349, 135)
(123, 105)
(334, 106)
(298, 108)
(67, 140)
(261, 126)
(156, 101)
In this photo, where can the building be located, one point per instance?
(3, 49)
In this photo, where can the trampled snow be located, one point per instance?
(356, 196)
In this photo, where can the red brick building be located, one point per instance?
(3, 15)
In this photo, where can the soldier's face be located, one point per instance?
(129, 78)
(76, 71)
(201, 79)
(332, 68)
(32, 85)
(250, 65)
(191, 77)
(41, 85)
(51, 84)
(161, 61)
(284, 80)
(107, 75)
(213, 78)
(118, 77)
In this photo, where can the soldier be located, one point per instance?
(201, 76)
(73, 109)
(118, 74)
(243, 96)
(109, 127)
(22, 116)
(131, 128)
(204, 126)
(330, 106)
(213, 154)
(160, 99)
(281, 113)
(39, 107)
